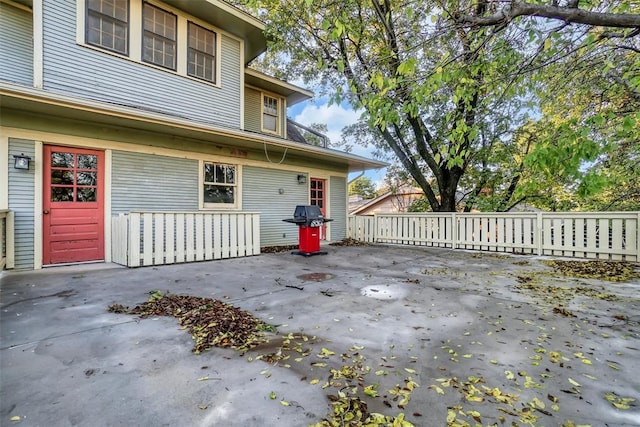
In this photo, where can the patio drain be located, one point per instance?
(384, 292)
(316, 277)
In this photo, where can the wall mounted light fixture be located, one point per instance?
(21, 161)
(302, 179)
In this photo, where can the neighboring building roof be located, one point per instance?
(389, 202)
(292, 93)
(38, 101)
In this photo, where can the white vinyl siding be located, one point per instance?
(16, 45)
(77, 70)
(152, 182)
(21, 202)
(261, 193)
(338, 204)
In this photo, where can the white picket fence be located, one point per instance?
(155, 238)
(6, 239)
(602, 235)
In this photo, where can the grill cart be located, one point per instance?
(309, 219)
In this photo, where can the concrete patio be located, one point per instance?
(470, 328)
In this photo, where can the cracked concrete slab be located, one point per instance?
(484, 335)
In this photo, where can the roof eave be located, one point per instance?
(294, 94)
(230, 19)
(36, 100)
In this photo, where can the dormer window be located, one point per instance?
(201, 62)
(108, 25)
(270, 114)
(159, 38)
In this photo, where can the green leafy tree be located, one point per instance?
(363, 187)
(447, 92)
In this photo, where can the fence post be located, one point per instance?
(375, 228)
(538, 232)
(454, 231)
(133, 245)
(638, 239)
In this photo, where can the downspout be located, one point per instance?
(361, 174)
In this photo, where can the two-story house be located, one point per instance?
(116, 107)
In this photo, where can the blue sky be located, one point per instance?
(336, 117)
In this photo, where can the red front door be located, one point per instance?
(318, 197)
(73, 205)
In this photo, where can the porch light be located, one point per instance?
(302, 179)
(21, 161)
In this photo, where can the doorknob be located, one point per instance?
(46, 212)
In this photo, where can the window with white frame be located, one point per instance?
(201, 61)
(152, 33)
(107, 25)
(270, 113)
(220, 184)
(159, 37)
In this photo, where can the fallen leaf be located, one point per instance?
(574, 383)
(437, 389)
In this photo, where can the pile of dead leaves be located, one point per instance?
(278, 249)
(349, 242)
(614, 271)
(212, 323)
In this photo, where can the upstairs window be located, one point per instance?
(201, 61)
(159, 37)
(108, 25)
(270, 113)
(220, 184)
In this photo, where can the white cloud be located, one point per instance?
(337, 117)
(334, 116)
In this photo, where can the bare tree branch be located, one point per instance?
(567, 14)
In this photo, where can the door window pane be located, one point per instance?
(62, 177)
(87, 194)
(74, 177)
(87, 161)
(87, 178)
(62, 160)
(62, 194)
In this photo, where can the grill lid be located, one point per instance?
(309, 215)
